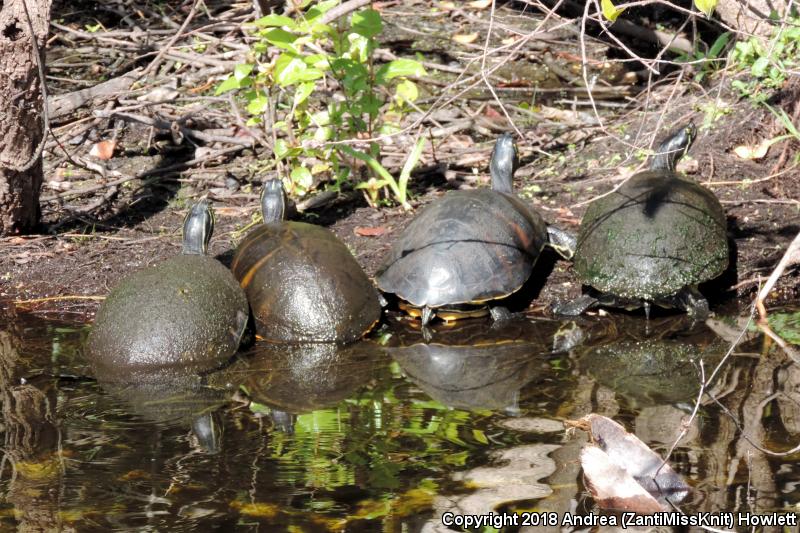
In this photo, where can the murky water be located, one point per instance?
(389, 435)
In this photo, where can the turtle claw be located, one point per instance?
(382, 300)
(577, 306)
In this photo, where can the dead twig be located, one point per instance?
(166, 48)
(791, 257)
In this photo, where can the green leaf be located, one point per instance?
(787, 325)
(405, 174)
(719, 45)
(228, 84)
(302, 177)
(320, 9)
(281, 148)
(406, 91)
(258, 105)
(360, 47)
(259, 408)
(303, 91)
(370, 103)
(480, 436)
(706, 6)
(319, 61)
(400, 68)
(759, 67)
(282, 39)
(610, 11)
(291, 69)
(367, 23)
(240, 72)
(275, 20)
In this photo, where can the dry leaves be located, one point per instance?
(104, 150)
(753, 152)
(622, 472)
(465, 38)
(376, 231)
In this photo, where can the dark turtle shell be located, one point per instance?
(655, 235)
(186, 311)
(469, 247)
(304, 285)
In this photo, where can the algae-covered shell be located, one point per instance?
(658, 233)
(188, 310)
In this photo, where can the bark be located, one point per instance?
(21, 104)
(752, 16)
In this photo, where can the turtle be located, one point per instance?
(469, 249)
(652, 240)
(187, 311)
(302, 282)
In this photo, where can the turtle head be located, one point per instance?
(273, 201)
(197, 228)
(505, 160)
(673, 148)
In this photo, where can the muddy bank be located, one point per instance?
(96, 229)
(70, 272)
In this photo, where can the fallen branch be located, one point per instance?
(141, 175)
(791, 257)
(64, 104)
(168, 126)
(342, 10)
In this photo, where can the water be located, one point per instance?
(389, 434)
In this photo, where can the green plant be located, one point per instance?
(709, 61)
(769, 64)
(324, 91)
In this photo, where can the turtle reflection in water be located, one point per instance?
(300, 378)
(651, 369)
(175, 396)
(474, 364)
(653, 240)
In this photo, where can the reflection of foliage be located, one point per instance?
(787, 325)
(378, 435)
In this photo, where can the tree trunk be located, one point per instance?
(21, 103)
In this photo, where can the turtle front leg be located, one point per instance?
(427, 315)
(500, 313)
(577, 306)
(561, 241)
(693, 302)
